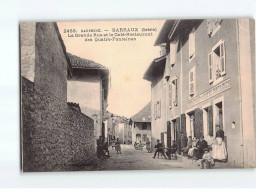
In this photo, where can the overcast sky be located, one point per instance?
(127, 61)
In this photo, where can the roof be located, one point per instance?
(92, 68)
(173, 28)
(144, 115)
(155, 69)
(81, 63)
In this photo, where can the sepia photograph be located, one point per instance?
(137, 95)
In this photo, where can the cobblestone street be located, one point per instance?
(132, 159)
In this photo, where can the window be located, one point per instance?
(157, 109)
(192, 83)
(208, 121)
(144, 137)
(192, 44)
(173, 51)
(175, 92)
(213, 25)
(144, 126)
(216, 62)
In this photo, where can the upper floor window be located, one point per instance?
(144, 126)
(192, 44)
(157, 109)
(216, 62)
(173, 93)
(173, 52)
(213, 25)
(192, 83)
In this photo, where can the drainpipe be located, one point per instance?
(240, 95)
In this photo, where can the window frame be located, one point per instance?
(192, 70)
(222, 62)
(192, 45)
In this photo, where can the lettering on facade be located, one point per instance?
(225, 85)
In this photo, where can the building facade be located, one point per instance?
(140, 125)
(89, 87)
(205, 77)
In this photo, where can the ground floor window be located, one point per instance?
(144, 137)
(138, 138)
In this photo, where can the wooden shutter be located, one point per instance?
(210, 121)
(162, 137)
(191, 82)
(173, 52)
(198, 123)
(210, 70)
(222, 59)
(176, 92)
(192, 44)
(183, 123)
(168, 134)
(159, 109)
(170, 95)
(178, 136)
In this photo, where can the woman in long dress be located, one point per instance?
(148, 146)
(219, 150)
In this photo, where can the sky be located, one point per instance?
(127, 60)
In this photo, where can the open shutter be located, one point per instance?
(191, 82)
(176, 92)
(178, 136)
(210, 70)
(192, 44)
(173, 52)
(168, 134)
(159, 107)
(170, 95)
(223, 59)
(198, 123)
(210, 121)
(183, 123)
(162, 137)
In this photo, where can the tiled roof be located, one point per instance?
(82, 63)
(144, 115)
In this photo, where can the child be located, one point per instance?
(207, 159)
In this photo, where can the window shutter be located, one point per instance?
(162, 137)
(192, 44)
(159, 106)
(170, 95)
(176, 92)
(210, 71)
(183, 123)
(168, 134)
(198, 123)
(191, 82)
(172, 53)
(178, 136)
(210, 121)
(222, 58)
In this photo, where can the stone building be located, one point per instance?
(55, 135)
(205, 77)
(89, 87)
(141, 125)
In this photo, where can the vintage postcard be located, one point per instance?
(137, 95)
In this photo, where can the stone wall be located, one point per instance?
(55, 136)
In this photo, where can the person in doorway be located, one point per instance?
(159, 149)
(189, 145)
(148, 148)
(219, 150)
(118, 147)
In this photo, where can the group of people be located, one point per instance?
(139, 146)
(199, 149)
(160, 149)
(116, 146)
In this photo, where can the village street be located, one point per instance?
(132, 159)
